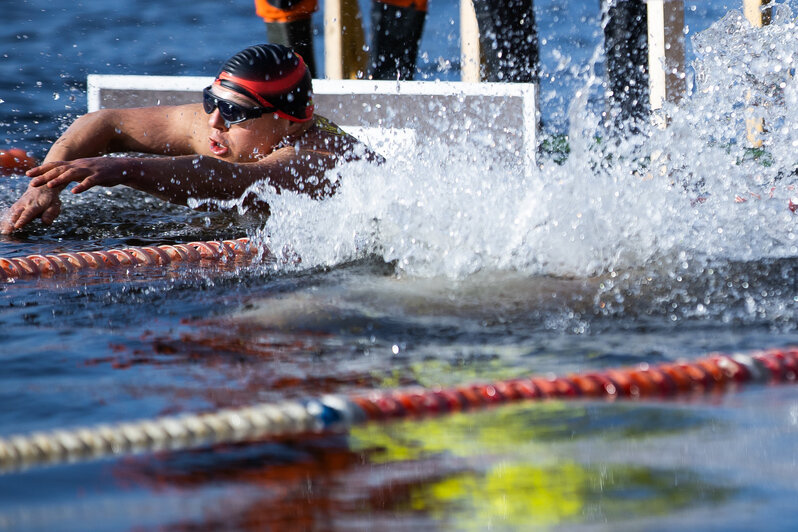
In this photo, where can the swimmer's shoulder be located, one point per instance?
(330, 137)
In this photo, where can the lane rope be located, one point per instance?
(339, 412)
(64, 263)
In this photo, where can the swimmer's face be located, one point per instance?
(249, 140)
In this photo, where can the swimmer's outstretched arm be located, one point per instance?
(178, 179)
(160, 130)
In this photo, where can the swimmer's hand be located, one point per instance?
(35, 203)
(88, 173)
(40, 201)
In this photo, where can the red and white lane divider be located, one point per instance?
(60, 263)
(338, 412)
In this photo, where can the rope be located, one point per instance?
(61, 263)
(337, 412)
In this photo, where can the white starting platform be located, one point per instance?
(390, 116)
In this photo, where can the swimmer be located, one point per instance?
(256, 123)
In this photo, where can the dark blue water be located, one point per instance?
(127, 345)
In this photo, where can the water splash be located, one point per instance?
(449, 209)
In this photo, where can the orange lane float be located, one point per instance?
(15, 161)
(67, 262)
(712, 373)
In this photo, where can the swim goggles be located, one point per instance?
(232, 113)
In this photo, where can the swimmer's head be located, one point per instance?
(272, 75)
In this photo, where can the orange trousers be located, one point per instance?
(291, 10)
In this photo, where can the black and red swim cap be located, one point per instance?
(274, 76)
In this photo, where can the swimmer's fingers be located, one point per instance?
(33, 204)
(26, 216)
(42, 169)
(9, 219)
(87, 173)
(48, 214)
(30, 212)
(91, 181)
(60, 176)
(52, 212)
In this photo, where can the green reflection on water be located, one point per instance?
(514, 467)
(482, 368)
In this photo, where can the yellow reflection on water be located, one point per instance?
(516, 467)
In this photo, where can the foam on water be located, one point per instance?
(450, 209)
(741, 72)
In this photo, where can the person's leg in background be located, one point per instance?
(396, 28)
(626, 50)
(508, 40)
(288, 22)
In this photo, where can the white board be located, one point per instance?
(390, 116)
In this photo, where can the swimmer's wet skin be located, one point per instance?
(256, 123)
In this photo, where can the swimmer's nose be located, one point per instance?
(216, 121)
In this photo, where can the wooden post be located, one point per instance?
(758, 15)
(469, 43)
(344, 40)
(756, 12)
(666, 58)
